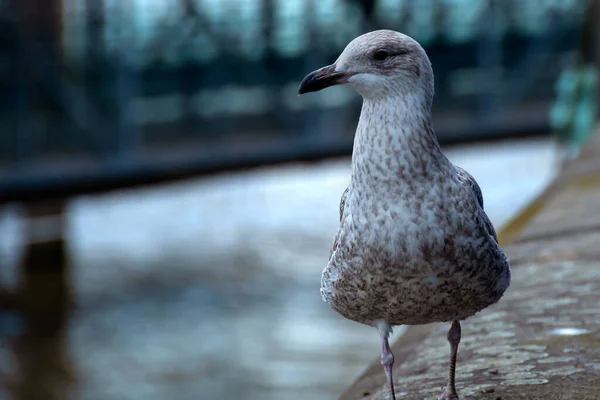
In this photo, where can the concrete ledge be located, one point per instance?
(542, 340)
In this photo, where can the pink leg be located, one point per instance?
(387, 358)
(454, 339)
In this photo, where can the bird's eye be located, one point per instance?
(380, 55)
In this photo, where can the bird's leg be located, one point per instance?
(454, 339)
(387, 358)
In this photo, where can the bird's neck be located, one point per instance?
(395, 142)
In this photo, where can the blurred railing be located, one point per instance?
(106, 93)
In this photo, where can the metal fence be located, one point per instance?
(95, 90)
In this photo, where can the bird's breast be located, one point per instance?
(403, 225)
(420, 251)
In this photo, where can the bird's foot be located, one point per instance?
(448, 396)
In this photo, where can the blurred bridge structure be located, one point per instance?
(104, 94)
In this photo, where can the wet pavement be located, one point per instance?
(209, 288)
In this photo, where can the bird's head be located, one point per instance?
(377, 64)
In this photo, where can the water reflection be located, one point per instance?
(209, 288)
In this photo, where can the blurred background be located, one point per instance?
(167, 201)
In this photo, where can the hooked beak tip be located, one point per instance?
(321, 79)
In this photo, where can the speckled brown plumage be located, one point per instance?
(422, 251)
(414, 244)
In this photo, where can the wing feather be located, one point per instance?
(468, 180)
(343, 202)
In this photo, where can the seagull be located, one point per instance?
(414, 245)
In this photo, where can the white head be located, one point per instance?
(378, 64)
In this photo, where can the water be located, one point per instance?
(209, 288)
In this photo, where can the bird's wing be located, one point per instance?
(343, 203)
(342, 206)
(468, 180)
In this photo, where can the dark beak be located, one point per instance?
(321, 79)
